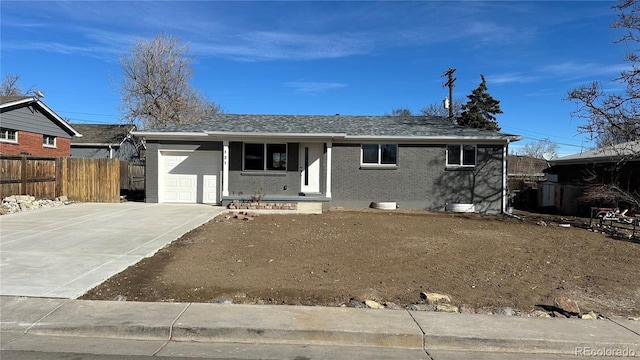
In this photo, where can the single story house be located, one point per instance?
(569, 176)
(29, 127)
(339, 161)
(107, 141)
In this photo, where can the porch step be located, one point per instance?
(309, 208)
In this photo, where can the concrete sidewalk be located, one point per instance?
(189, 329)
(63, 252)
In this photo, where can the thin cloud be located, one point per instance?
(284, 45)
(575, 70)
(511, 77)
(313, 87)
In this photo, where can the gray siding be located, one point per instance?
(125, 152)
(90, 152)
(153, 147)
(151, 173)
(420, 180)
(128, 152)
(31, 119)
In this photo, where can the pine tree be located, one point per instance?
(479, 111)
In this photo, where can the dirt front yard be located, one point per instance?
(482, 262)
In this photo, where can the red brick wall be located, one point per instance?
(31, 143)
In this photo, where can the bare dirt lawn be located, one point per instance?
(483, 262)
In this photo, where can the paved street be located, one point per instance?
(63, 252)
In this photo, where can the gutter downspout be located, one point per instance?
(505, 151)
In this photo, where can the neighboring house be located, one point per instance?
(568, 176)
(524, 173)
(526, 168)
(29, 127)
(102, 141)
(340, 161)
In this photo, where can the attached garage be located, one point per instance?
(189, 176)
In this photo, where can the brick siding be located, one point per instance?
(31, 144)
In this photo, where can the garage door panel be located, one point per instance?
(190, 176)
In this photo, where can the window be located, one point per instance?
(8, 135)
(379, 154)
(461, 155)
(48, 140)
(275, 159)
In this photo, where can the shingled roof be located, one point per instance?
(108, 134)
(628, 150)
(348, 126)
(10, 99)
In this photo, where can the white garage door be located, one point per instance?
(189, 177)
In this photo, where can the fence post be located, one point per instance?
(60, 177)
(23, 175)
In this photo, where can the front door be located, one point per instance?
(310, 155)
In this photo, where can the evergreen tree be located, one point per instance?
(479, 111)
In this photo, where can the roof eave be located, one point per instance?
(18, 102)
(592, 160)
(222, 135)
(157, 135)
(240, 135)
(95, 144)
(439, 139)
(57, 118)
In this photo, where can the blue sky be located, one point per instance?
(304, 57)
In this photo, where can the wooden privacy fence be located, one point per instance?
(132, 176)
(79, 179)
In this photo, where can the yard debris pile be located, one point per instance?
(16, 203)
(402, 259)
(240, 215)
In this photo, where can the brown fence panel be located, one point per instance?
(84, 180)
(10, 176)
(41, 178)
(124, 175)
(28, 175)
(90, 180)
(132, 176)
(137, 177)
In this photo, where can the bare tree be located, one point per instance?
(401, 112)
(541, 149)
(437, 109)
(613, 120)
(156, 90)
(10, 86)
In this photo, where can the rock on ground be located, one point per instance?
(373, 304)
(447, 308)
(567, 305)
(434, 298)
(16, 203)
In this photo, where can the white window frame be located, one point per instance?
(264, 157)
(462, 164)
(45, 143)
(4, 135)
(379, 163)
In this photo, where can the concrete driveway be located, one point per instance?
(63, 252)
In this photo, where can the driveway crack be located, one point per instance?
(424, 347)
(171, 330)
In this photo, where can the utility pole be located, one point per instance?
(450, 84)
